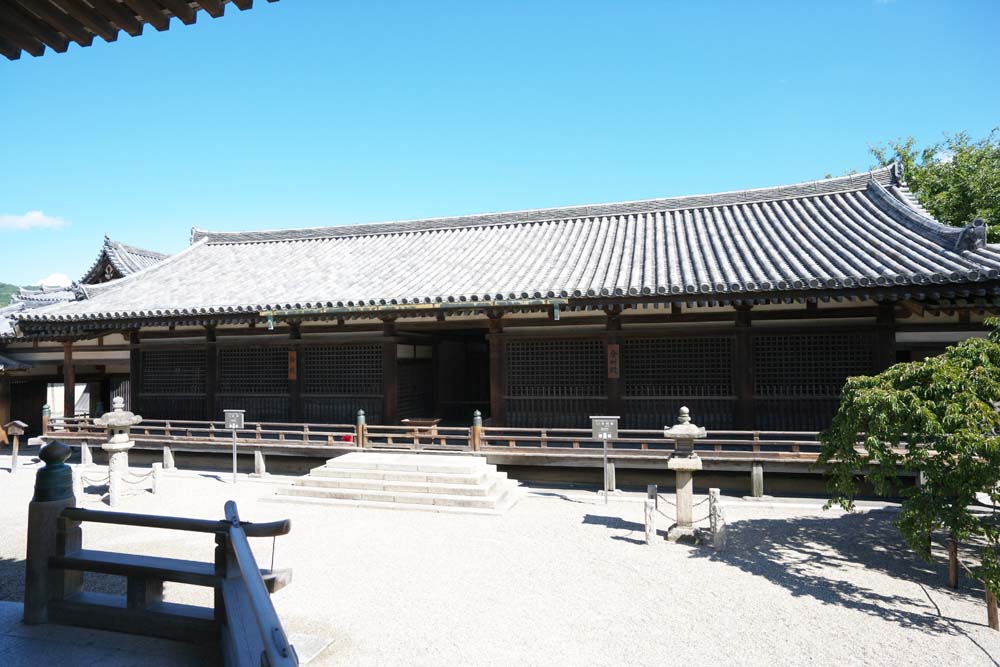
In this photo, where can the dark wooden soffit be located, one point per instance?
(32, 25)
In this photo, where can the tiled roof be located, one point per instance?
(850, 232)
(126, 260)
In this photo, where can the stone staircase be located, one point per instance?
(434, 482)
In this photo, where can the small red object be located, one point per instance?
(348, 438)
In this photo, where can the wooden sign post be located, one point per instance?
(234, 423)
(604, 429)
(15, 429)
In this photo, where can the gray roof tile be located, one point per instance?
(856, 231)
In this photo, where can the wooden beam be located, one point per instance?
(69, 382)
(134, 372)
(28, 22)
(885, 337)
(498, 377)
(182, 10)
(215, 8)
(21, 39)
(211, 374)
(53, 16)
(119, 16)
(390, 373)
(150, 13)
(743, 371)
(88, 17)
(8, 49)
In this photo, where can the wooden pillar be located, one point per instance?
(614, 386)
(69, 382)
(390, 372)
(295, 374)
(885, 336)
(498, 371)
(211, 374)
(743, 371)
(5, 403)
(134, 373)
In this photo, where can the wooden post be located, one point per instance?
(69, 382)
(46, 415)
(477, 431)
(952, 561)
(743, 370)
(359, 429)
(390, 372)
(614, 386)
(885, 337)
(757, 479)
(653, 494)
(498, 371)
(134, 373)
(211, 374)
(13, 455)
(991, 610)
(295, 374)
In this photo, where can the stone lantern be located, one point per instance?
(15, 430)
(684, 463)
(118, 422)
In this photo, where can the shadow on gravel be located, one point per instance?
(794, 552)
(12, 579)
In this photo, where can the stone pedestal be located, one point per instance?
(684, 467)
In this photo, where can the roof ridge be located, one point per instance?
(849, 182)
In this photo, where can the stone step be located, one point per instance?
(482, 487)
(505, 503)
(426, 463)
(502, 489)
(332, 470)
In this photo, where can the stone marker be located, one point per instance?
(650, 512)
(259, 468)
(717, 520)
(86, 457)
(157, 477)
(757, 479)
(684, 463)
(168, 459)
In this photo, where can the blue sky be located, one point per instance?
(308, 112)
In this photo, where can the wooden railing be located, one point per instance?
(578, 440)
(243, 622)
(734, 444)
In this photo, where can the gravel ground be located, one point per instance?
(565, 579)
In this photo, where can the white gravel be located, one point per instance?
(564, 579)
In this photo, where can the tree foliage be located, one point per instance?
(956, 180)
(938, 417)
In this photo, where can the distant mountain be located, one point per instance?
(5, 292)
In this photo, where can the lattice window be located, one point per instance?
(682, 367)
(556, 368)
(173, 372)
(342, 369)
(253, 370)
(804, 365)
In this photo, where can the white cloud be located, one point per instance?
(55, 280)
(29, 220)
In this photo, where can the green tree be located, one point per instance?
(938, 417)
(956, 180)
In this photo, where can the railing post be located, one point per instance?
(53, 494)
(46, 415)
(477, 430)
(359, 429)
